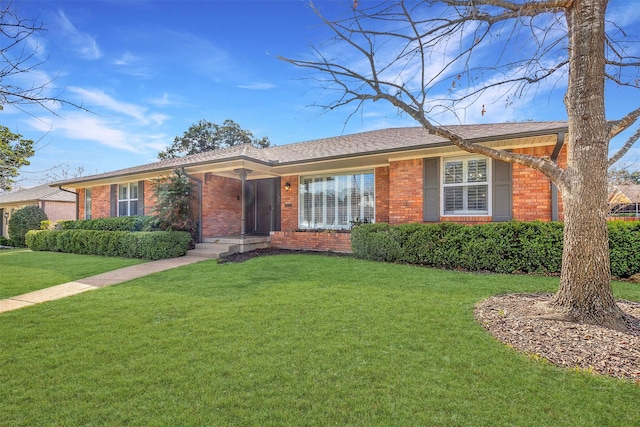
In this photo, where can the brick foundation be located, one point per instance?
(312, 241)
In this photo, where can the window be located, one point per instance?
(332, 202)
(87, 203)
(128, 199)
(465, 186)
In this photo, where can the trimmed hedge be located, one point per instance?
(150, 245)
(122, 223)
(507, 247)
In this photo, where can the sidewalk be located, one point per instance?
(95, 282)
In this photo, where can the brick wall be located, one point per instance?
(468, 220)
(149, 198)
(289, 203)
(405, 191)
(311, 241)
(382, 194)
(532, 190)
(221, 206)
(58, 211)
(100, 202)
(81, 206)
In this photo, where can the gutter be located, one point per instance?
(77, 199)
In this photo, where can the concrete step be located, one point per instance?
(212, 250)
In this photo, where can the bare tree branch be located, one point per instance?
(627, 145)
(18, 57)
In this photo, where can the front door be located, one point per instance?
(262, 206)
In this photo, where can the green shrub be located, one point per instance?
(122, 223)
(5, 242)
(23, 220)
(150, 245)
(507, 247)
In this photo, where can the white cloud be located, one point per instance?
(85, 127)
(82, 43)
(257, 86)
(126, 59)
(92, 98)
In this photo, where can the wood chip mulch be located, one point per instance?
(518, 320)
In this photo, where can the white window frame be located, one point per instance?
(319, 214)
(128, 200)
(465, 184)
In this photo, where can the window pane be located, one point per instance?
(306, 203)
(330, 186)
(477, 198)
(343, 200)
(122, 208)
(477, 170)
(123, 191)
(134, 191)
(453, 172)
(356, 188)
(368, 201)
(133, 207)
(453, 199)
(318, 199)
(87, 203)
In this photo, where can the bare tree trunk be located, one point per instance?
(585, 285)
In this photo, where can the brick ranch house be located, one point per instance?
(295, 194)
(57, 204)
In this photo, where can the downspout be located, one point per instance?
(77, 199)
(554, 190)
(199, 184)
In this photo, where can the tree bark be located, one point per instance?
(585, 293)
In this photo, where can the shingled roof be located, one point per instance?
(39, 193)
(378, 141)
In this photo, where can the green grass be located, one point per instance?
(291, 340)
(22, 271)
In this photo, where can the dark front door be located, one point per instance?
(262, 204)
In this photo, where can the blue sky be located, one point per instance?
(149, 69)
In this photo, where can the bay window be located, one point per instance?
(334, 201)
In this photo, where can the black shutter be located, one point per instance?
(431, 208)
(502, 206)
(113, 206)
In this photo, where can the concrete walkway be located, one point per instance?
(95, 282)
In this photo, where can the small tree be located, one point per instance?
(176, 202)
(23, 220)
(205, 136)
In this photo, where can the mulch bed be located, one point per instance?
(519, 320)
(269, 251)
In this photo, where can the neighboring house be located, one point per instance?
(56, 203)
(624, 200)
(294, 193)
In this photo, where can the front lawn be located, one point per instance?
(23, 271)
(291, 340)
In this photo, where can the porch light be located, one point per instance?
(6, 215)
(287, 186)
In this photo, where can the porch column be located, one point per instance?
(243, 178)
